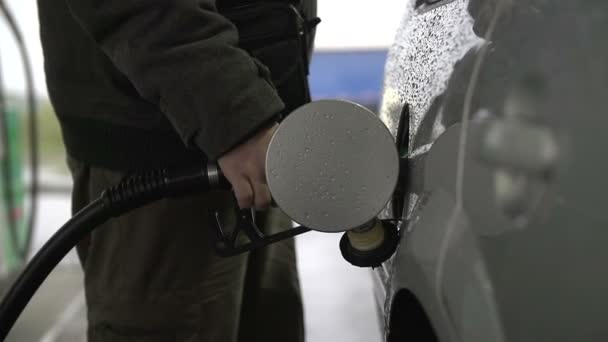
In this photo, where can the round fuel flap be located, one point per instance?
(332, 165)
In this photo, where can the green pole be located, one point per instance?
(16, 186)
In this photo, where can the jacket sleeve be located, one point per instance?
(182, 56)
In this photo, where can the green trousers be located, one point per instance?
(151, 275)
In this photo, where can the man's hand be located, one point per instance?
(244, 167)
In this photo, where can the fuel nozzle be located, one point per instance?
(332, 167)
(370, 245)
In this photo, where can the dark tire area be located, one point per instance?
(409, 322)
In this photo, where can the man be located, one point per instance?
(142, 84)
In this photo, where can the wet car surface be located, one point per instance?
(503, 239)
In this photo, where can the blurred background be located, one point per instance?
(348, 63)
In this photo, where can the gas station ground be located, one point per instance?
(338, 298)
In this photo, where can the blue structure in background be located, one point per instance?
(351, 75)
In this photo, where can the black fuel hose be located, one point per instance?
(132, 193)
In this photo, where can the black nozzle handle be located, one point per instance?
(142, 188)
(196, 180)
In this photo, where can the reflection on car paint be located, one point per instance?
(420, 64)
(420, 150)
(418, 69)
(429, 5)
(450, 241)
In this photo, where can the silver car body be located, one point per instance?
(504, 235)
